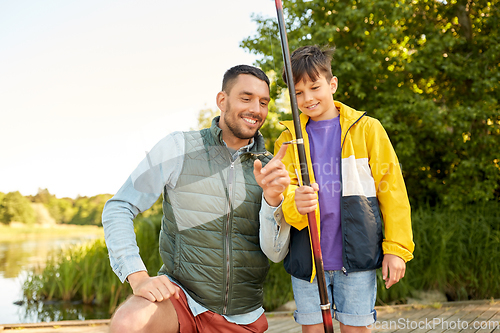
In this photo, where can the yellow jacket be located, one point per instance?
(372, 182)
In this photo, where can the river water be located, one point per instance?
(17, 257)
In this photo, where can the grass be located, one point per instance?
(457, 252)
(277, 287)
(83, 272)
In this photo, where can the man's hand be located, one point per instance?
(393, 269)
(154, 289)
(306, 198)
(273, 178)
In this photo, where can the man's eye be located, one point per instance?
(263, 104)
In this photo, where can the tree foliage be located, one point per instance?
(82, 210)
(88, 210)
(62, 210)
(15, 208)
(428, 70)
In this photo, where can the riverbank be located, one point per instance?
(20, 231)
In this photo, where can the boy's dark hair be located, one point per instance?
(311, 61)
(233, 72)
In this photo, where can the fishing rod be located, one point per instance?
(311, 217)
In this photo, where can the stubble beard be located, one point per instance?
(234, 128)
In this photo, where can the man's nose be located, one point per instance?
(255, 106)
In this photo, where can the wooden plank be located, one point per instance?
(489, 320)
(406, 323)
(466, 312)
(449, 311)
(70, 326)
(493, 321)
(282, 323)
(462, 320)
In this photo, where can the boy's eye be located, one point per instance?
(314, 88)
(298, 93)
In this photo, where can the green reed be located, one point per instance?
(456, 252)
(277, 287)
(83, 272)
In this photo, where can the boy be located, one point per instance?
(354, 170)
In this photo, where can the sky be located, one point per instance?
(88, 87)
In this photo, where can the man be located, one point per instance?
(221, 206)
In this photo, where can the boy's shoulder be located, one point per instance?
(370, 121)
(353, 116)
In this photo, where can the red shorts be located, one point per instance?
(208, 321)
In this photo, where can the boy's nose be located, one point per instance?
(307, 96)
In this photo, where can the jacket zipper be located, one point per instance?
(344, 257)
(228, 256)
(230, 190)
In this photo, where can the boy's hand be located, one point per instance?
(154, 289)
(396, 268)
(306, 198)
(273, 178)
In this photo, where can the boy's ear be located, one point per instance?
(221, 101)
(334, 83)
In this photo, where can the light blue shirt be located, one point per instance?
(158, 170)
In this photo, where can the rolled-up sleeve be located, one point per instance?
(274, 233)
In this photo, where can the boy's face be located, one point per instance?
(243, 110)
(315, 99)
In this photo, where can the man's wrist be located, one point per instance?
(135, 278)
(273, 201)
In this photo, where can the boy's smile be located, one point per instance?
(315, 99)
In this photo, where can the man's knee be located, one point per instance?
(140, 315)
(123, 320)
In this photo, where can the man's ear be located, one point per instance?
(221, 101)
(334, 83)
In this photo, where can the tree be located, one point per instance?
(61, 210)
(205, 117)
(427, 69)
(16, 208)
(89, 209)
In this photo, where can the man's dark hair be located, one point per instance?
(311, 61)
(233, 72)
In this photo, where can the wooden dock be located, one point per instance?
(451, 317)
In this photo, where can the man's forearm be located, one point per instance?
(274, 233)
(117, 220)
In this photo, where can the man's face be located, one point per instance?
(243, 110)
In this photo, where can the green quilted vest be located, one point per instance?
(209, 242)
